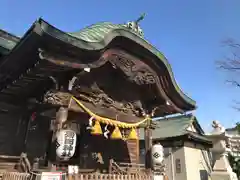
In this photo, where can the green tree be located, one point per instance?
(238, 127)
(234, 163)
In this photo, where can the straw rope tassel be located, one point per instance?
(116, 134)
(133, 134)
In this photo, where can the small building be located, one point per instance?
(234, 141)
(186, 150)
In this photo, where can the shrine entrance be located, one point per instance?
(96, 151)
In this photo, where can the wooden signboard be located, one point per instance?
(52, 176)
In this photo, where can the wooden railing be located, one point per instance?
(110, 177)
(132, 168)
(10, 163)
(117, 171)
(126, 168)
(27, 176)
(15, 176)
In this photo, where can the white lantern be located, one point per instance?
(66, 144)
(157, 154)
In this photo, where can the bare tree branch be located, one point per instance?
(231, 64)
(233, 82)
(237, 108)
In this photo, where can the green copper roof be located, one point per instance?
(98, 32)
(172, 127)
(7, 41)
(7, 44)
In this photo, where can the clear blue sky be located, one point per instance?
(188, 32)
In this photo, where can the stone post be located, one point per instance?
(221, 168)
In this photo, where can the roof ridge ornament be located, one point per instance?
(140, 18)
(134, 25)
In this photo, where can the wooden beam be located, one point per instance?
(58, 98)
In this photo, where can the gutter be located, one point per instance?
(172, 164)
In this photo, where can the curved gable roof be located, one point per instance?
(100, 32)
(98, 37)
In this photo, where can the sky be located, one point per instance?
(188, 32)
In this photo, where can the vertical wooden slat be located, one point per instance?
(15, 176)
(26, 176)
(133, 147)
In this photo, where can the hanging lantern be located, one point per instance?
(66, 144)
(133, 134)
(96, 129)
(157, 154)
(116, 134)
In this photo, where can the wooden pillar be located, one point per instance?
(148, 145)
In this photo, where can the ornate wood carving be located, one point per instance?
(136, 70)
(117, 81)
(59, 98)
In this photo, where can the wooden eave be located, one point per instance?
(19, 64)
(191, 137)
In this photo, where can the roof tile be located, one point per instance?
(170, 127)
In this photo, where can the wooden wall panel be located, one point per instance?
(38, 135)
(11, 135)
(133, 149)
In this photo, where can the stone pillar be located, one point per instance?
(221, 169)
